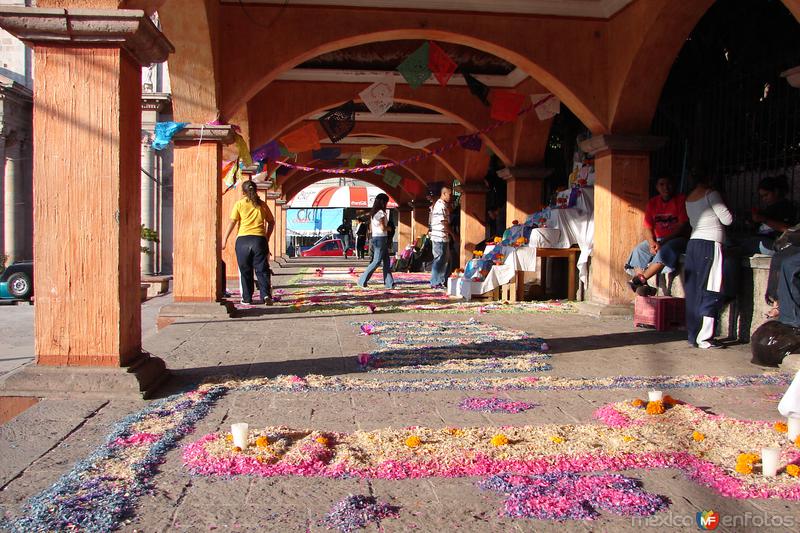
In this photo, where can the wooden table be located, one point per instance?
(515, 290)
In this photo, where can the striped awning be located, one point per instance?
(344, 196)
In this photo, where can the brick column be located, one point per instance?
(622, 165)
(524, 191)
(404, 227)
(88, 311)
(198, 286)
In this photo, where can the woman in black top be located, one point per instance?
(361, 236)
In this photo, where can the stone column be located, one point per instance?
(473, 225)
(197, 214)
(148, 169)
(622, 166)
(284, 211)
(88, 311)
(12, 204)
(473, 204)
(421, 210)
(404, 227)
(524, 191)
(272, 196)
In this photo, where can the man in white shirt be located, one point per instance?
(440, 234)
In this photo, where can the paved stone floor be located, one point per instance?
(45, 441)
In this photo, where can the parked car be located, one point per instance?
(328, 248)
(16, 281)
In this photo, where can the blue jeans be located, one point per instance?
(789, 290)
(439, 266)
(380, 254)
(667, 255)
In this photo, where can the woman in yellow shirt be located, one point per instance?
(256, 225)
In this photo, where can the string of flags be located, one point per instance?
(426, 61)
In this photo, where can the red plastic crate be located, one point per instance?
(662, 312)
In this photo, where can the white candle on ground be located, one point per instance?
(655, 396)
(239, 432)
(769, 461)
(793, 422)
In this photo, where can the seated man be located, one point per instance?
(666, 226)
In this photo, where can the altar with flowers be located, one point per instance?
(568, 223)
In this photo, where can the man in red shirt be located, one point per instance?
(665, 227)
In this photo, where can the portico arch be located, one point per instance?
(256, 58)
(460, 106)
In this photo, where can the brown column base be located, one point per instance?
(203, 310)
(603, 310)
(140, 379)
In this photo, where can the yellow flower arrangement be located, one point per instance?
(628, 438)
(637, 403)
(413, 441)
(655, 408)
(499, 440)
(498, 240)
(781, 427)
(793, 470)
(477, 253)
(698, 437)
(557, 439)
(228, 438)
(323, 440)
(262, 442)
(744, 468)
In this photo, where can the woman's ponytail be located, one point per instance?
(251, 192)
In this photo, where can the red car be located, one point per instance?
(329, 248)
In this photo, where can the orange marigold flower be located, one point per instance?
(781, 427)
(793, 470)
(744, 468)
(499, 440)
(413, 441)
(637, 403)
(697, 436)
(237, 449)
(797, 442)
(229, 438)
(655, 408)
(557, 439)
(747, 458)
(323, 440)
(262, 441)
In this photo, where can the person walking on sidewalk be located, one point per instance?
(256, 225)
(379, 219)
(440, 234)
(361, 236)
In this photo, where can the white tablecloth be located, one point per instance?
(566, 227)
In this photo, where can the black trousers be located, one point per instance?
(361, 241)
(252, 252)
